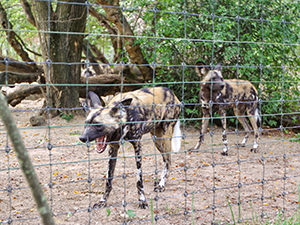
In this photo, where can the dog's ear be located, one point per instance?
(122, 104)
(126, 101)
(218, 67)
(201, 69)
(94, 100)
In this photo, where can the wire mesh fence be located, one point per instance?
(56, 57)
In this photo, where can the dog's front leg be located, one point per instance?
(203, 130)
(113, 153)
(140, 186)
(224, 133)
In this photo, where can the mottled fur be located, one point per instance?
(128, 116)
(241, 95)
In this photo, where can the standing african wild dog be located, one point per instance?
(128, 116)
(240, 95)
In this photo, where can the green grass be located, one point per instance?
(152, 213)
(296, 138)
(279, 220)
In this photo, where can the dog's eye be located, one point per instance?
(87, 122)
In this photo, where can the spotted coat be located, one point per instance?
(127, 117)
(220, 94)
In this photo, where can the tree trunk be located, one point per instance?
(61, 48)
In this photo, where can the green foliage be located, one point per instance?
(67, 117)
(296, 138)
(75, 133)
(26, 31)
(131, 214)
(108, 211)
(255, 41)
(235, 35)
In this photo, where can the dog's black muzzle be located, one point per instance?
(89, 134)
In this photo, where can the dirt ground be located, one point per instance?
(200, 187)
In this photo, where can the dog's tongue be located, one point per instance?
(101, 144)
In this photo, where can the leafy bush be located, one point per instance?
(255, 42)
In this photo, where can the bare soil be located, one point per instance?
(200, 187)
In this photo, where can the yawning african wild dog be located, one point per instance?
(128, 116)
(240, 95)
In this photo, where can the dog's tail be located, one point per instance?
(176, 139)
(258, 118)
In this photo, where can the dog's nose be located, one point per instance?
(83, 138)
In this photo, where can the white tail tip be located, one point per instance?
(176, 139)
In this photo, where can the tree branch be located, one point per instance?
(12, 38)
(104, 21)
(115, 15)
(99, 55)
(91, 57)
(27, 10)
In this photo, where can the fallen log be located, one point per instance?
(14, 66)
(98, 84)
(101, 79)
(14, 98)
(13, 78)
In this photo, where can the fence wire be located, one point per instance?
(203, 187)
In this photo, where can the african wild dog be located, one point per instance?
(218, 93)
(128, 116)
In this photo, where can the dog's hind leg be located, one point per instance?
(163, 142)
(255, 121)
(140, 186)
(113, 153)
(240, 114)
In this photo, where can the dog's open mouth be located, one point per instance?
(101, 144)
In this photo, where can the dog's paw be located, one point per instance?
(255, 150)
(241, 145)
(158, 188)
(143, 205)
(99, 205)
(224, 153)
(191, 149)
(195, 148)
